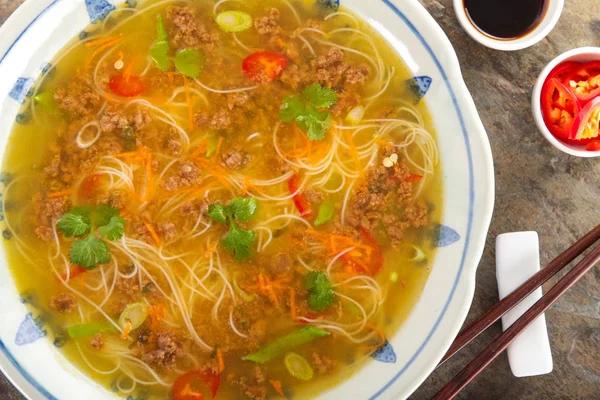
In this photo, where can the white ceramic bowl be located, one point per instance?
(582, 54)
(40, 28)
(552, 15)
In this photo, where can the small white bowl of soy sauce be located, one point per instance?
(508, 25)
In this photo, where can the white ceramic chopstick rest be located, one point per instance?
(517, 260)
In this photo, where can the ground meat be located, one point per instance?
(237, 99)
(47, 212)
(187, 176)
(140, 120)
(116, 199)
(139, 231)
(269, 23)
(346, 101)
(174, 147)
(78, 99)
(281, 263)
(168, 230)
(201, 119)
(357, 75)
(221, 120)
(64, 303)
(259, 375)
(189, 32)
(313, 195)
(195, 209)
(323, 364)
(112, 120)
(251, 387)
(97, 342)
(166, 353)
(235, 160)
(333, 57)
(296, 76)
(130, 288)
(313, 23)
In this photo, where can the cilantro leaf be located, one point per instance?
(189, 62)
(315, 123)
(74, 224)
(292, 107)
(161, 31)
(104, 214)
(243, 209)
(219, 213)
(159, 53)
(239, 241)
(160, 50)
(114, 230)
(320, 296)
(89, 252)
(319, 96)
(325, 214)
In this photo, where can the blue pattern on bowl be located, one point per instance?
(419, 85)
(20, 89)
(29, 331)
(98, 9)
(332, 4)
(385, 353)
(446, 236)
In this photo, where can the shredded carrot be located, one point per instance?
(277, 386)
(149, 178)
(354, 154)
(157, 313)
(152, 233)
(220, 359)
(247, 184)
(97, 42)
(261, 282)
(272, 295)
(219, 144)
(293, 302)
(132, 154)
(60, 194)
(381, 335)
(215, 171)
(88, 62)
(126, 331)
(210, 250)
(188, 100)
(280, 42)
(201, 149)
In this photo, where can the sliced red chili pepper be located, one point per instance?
(264, 67)
(191, 386)
(561, 71)
(301, 202)
(584, 81)
(559, 108)
(369, 264)
(129, 86)
(75, 271)
(414, 178)
(594, 145)
(89, 187)
(586, 125)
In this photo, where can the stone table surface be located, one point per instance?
(538, 188)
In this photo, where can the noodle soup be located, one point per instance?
(223, 199)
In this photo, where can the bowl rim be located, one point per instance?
(545, 26)
(465, 105)
(579, 53)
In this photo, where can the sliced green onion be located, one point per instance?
(285, 343)
(134, 314)
(394, 277)
(86, 330)
(211, 147)
(325, 214)
(298, 367)
(413, 253)
(234, 21)
(356, 115)
(248, 298)
(47, 101)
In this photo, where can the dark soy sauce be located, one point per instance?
(505, 19)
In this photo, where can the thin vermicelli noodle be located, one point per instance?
(185, 206)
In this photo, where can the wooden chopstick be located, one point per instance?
(510, 301)
(473, 369)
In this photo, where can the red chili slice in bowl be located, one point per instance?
(264, 67)
(586, 126)
(584, 81)
(559, 108)
(129, 86)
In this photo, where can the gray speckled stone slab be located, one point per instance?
(538, 188)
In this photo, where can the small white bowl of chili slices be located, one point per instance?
(566, 102)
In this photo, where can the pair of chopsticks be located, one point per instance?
(500, 344)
